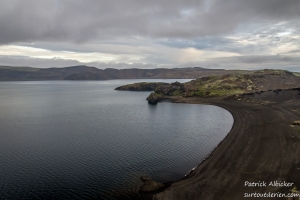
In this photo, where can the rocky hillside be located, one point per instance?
(230, 84)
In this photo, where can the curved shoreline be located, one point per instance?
(261, 146)
(195, 168)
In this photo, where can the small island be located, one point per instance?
(263, 144)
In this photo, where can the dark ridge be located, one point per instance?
(82, 72)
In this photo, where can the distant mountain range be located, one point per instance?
(82, 72)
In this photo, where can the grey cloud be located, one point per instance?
(203, 43)
(25, 61)
(224, 44)
(294, 51)
(249, 63)
(57, 62)
(80, 21)
(267, 59)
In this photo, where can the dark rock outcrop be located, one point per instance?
(173, 89)
(150, 185)
(153, 98)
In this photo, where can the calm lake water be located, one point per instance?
(84, 140)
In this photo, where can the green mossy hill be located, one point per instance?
(143, 86)
(173, 89)
(231, 84)
(160, 89)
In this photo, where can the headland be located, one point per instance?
(263, 145)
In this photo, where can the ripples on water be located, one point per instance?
(84, 140)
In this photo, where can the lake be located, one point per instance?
(84, 140)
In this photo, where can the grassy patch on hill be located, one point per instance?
(296, 73)
(231, 84)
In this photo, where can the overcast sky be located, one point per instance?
(230, 34)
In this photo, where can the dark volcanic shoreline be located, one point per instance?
(262, 146)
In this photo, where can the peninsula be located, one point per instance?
(263, 145)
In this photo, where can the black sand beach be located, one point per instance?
(263, 145)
